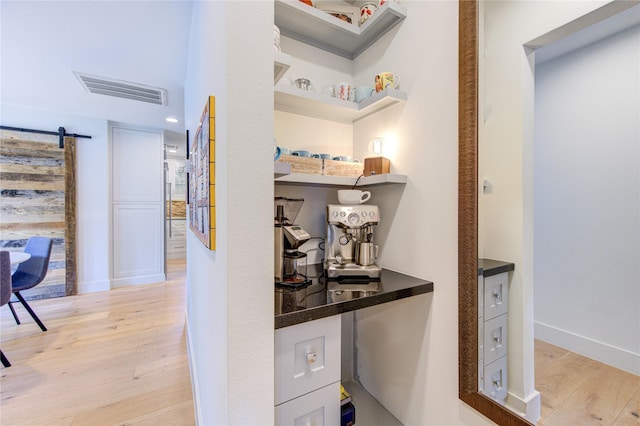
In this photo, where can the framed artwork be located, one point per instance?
(202, 178)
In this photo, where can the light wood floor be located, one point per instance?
(109, 358)
(580, 391)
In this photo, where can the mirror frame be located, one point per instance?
(468, 221)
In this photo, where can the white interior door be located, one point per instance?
(137, 206)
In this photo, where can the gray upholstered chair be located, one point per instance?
(5, 290)
(31, 273)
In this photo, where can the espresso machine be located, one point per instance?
(290, 267)
(349, 249)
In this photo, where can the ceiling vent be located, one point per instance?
(122, 89)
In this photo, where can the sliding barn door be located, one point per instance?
(37, 183)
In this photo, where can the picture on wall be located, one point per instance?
(202, 179)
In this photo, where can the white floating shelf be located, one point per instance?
(313, 26)
(289, 98)
(281, 169)
(281, 63)
(323, 180)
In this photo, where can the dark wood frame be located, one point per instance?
(468, 222)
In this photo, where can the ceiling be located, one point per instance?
(42, 44)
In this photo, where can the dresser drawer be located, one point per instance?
(307, 357)
(495, 339)
(320, 407)
(495, 379)
(496, 295)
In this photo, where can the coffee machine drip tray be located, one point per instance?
(353, 271)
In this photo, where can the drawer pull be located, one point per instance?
(311, 357)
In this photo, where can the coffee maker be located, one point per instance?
(290, 268)
(349, 249)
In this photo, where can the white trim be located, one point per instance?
(138, 280)
(193, 370)
(94, 286)
(600, 351)
(528, 407)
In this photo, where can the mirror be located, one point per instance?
(557, 27)
(468, 222)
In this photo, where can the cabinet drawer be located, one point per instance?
(496, 295)
(495, 339)
(495, 379)
(176, 246)
(307, 357)
(320, 407)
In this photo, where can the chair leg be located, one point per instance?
(28, 308)
(4, 359)
(15, 315)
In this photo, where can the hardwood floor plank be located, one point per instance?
(571, 395)
(630, 415)
(604, 395)
(116, 357)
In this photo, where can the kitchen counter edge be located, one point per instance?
(416, 287)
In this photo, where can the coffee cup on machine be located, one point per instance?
(353, 196)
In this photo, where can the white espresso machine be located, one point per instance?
(350, 251)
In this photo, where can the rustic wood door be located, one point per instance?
(37, 184)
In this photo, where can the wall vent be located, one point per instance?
(122, 89)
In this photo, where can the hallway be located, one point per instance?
(116, 357)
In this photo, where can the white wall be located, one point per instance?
(230, 290)
(587, 200)
(506, 152)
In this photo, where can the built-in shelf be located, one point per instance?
(289, 98)
(368, 410)
(315, 27)
(323, 180)
(281, 63)
(281, 169)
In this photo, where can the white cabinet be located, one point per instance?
(307, 372)
(176, 233)
(493, 292)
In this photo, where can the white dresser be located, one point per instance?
(493, 296)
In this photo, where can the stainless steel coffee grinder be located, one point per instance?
(350, 251)
(290, 267)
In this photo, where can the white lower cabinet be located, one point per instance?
(493, 294)
(176, 231)
(307, 373)
(318, 408)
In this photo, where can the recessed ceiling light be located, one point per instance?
(172, 120)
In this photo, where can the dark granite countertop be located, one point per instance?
(489, 267)
(323, 299)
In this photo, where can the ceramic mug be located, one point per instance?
(301, 153)
(366, 10)
(385, 80)
(344, 91)
(346, 158)
(302, 83)
(363, 92)
(353, 196)
(323, 156)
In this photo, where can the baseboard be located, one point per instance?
(528, 407)
(193, 370)
(94, 286)
(138, 280)
(603, 352)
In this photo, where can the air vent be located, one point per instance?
(122, 89)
